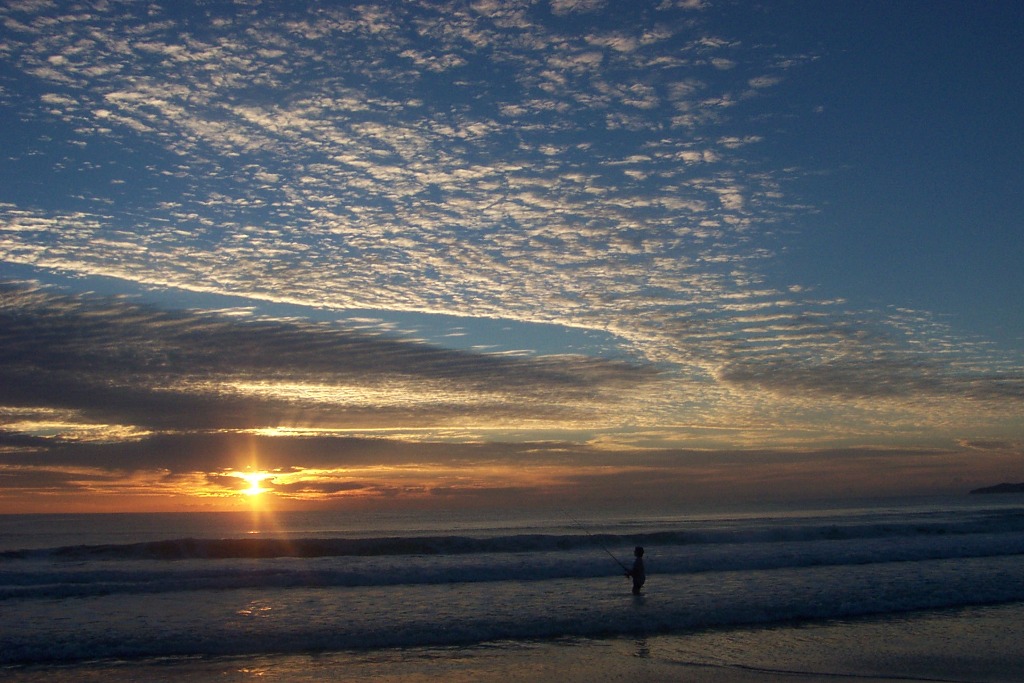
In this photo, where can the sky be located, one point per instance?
(486, 253)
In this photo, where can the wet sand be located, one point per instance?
(979, 645)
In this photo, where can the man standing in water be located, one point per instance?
(637, 573)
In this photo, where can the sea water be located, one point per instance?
(81, 588)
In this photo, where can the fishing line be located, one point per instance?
(601, 545)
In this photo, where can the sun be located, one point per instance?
(254, 480)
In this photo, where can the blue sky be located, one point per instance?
(919, 129)
(570, 241)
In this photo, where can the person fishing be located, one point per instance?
(637, 573)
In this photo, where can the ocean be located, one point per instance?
(88, 593)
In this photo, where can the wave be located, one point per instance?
(210, 597)
(997, 521)
(234, 548)
(195, 565)
(232, 623)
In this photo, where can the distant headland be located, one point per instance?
(1001, 488)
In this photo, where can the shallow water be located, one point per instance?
(977, 644)
(127, 596)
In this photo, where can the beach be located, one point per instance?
(978, 644)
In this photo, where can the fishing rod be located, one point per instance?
(601, 545)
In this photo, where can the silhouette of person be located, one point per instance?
(637, 573)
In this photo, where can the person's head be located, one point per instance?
(638, 551)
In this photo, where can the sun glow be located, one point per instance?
(254, 479)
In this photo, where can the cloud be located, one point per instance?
(348, 165)
(488, 160)
(760, 82)
(992, 445)
(902, 376)
(126, 364)
(573, 6)
(346, 471)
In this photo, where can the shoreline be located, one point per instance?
(973, 644)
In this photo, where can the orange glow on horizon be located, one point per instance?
(533, 476)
